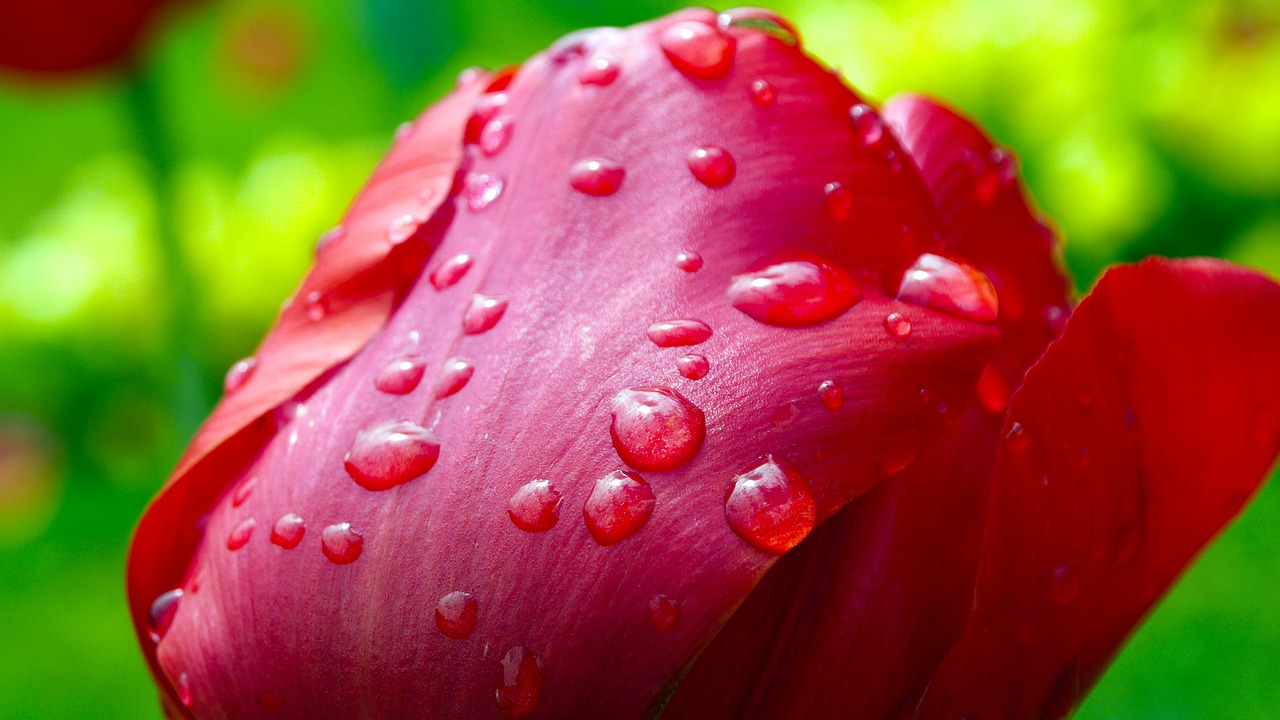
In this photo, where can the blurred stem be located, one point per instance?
(182, 321)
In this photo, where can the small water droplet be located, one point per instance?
(1066, 583)
(454, 376)
(712, 166)
(679, 333)
(599, 70)
(388, 454)
(698, 49)
(664, 613)
(287, 532)
(456, 614)
(243, 491)
(693, 367)
(449, 272)
(402, 228)
(239, 374)
(496, 134)
(1000, 170)
(689, 261)
(328, 237)
(794, 293)
(785, 415)
(656, 428)
(867, 123)
(341, 544)
(516, 694)
(951, 287)
(838, 199)
(481, 189)
(763, 94)
(771, 506)
(1055, 319)
(183, 688)
(401, 375)
(897, 324)
(1017, 438)
(483, 313)
(403, 130)
(760, 20)
(831, 395)
(535, 507)
(993, 390)
(240, 534)
(163, 610)
(469, 75)
(486, 108)
(596, 176)
(619, 506)
(317, 306)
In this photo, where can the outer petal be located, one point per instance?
(1134, 440)
(583, 278)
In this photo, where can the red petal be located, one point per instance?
(1142, 431)
(65, 36)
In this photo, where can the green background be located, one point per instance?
(1151, 129)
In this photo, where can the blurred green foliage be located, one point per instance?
(1150, 127)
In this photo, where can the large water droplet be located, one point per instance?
(599, 70)
(679, 333)
(831, 395)
(664, 613)
(243, 491)
(1066, 583)
(619, 506)
(240, 534)
(951, 287)
(689, 261)
(867, 123)
(454, 376)
(712, 166)
(401, 375)
(483, 313)
(451, 271)
(794, 293)
(287, 532)
(698, 49)
(897, 324)
(390, 453)
(760, 20)
(163, 610)
(481, 189)
(535, 507)
(596, 176)
(239, 374)
(517, 692)
(763, 94)
(694, 367)
(496, 134)
(771, 506)
(456, 614)
(341, 544)
(183, 688)
(838, 199)
(656, 428)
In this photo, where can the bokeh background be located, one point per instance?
(154, 214)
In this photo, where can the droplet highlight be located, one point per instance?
(599, 70)
(391, 453)
(243, 491)
(656, 428)
(838, 199)
(771, 506)
(763, 94)
(867, 123)
(495, 135)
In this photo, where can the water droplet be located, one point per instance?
(163, 610)
(469, 75)
(454, 376)
(619, 506)
(838, 199)
(689, 261)
(1000, 170)
(456, 614)
(664, 613)
(867, 123)
(1017, 438)
(183, 688)
(694, 367)
(240, 534)
(831, 395)
(341, 544)
(317, 306)
(794, 293)
(385, 455)
(243, 491)
(287, 532)
(535, 507)
(496, 134)
(993, 390)
(761, 20)
(712, 166)
(517, 692)
(763, 94)
(403, 130)
(679, 333)
(486, 108)
(1066, 583)
(785, 415)
(449, 272)
(698, 49)
(481, 189)
(771, 506)
(897, 324)
(401, 375)
(656, 428)
(483, 313)
(951, 287)
(239, 374)
(599, 70)
(596, 176)
(328, 237)
(402, 228)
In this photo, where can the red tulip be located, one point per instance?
(664, 372)
(53, 37)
